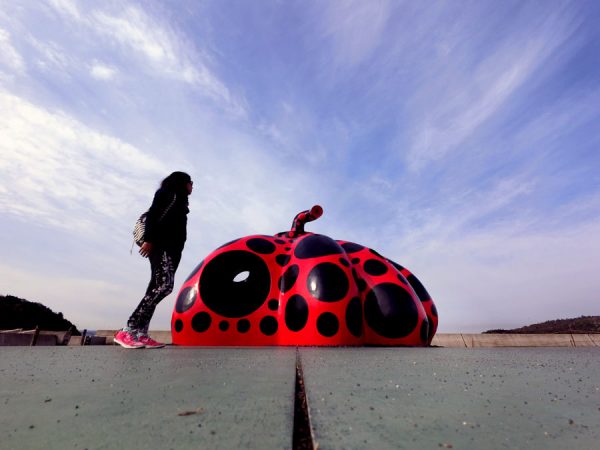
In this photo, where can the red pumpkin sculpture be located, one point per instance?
(300, 288)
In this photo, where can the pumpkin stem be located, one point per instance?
(303, 217)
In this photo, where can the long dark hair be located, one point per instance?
(176, 182)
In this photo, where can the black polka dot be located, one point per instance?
(419, 288)
(434, 310)
(228, 298)
(375, 267)
(355, 260)
(291, 241)
(327, 282)
(403, 279)
(243, 326)
(344, 262)
(224, 325)
(195, 271)
(280, 241)
(201, 322)
(390, 311)
(261, 246)
(268, 325)
(296, 313)
(351, 247)
(424, 330)
(288, 249)
(328, 324)
(282, 260)
(354, 317)
(186, 298)
(360, 283)
(289, 277)
(316, 245)
(178, 325)
(273, 305)
(396, 265)
(375, 253)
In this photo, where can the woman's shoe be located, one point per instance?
(127, 339)
(148, 342)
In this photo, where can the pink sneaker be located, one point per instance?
(127, 339)
(149, 342)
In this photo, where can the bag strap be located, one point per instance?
(168, 208)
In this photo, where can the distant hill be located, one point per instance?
(16, 312)
(583, 324)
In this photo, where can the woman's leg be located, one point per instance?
(163, 266)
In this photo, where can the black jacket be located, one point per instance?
(170, 232)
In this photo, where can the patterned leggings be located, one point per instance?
(163, 265)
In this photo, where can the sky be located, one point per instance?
(459, 139)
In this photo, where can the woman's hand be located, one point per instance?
(146, 249)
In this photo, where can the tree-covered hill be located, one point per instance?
(583, 324)
(19, 313)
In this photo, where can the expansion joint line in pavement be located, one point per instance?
(302, 438)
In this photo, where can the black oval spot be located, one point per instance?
(282, 260)
(419, 288)
(327, 282)
(328, 324)
(424, 331)
(390, 311)
(351, 247)
(360, 283)
(344, 262)
(195, 271)
(280, 241)
(224, 325)
(354, 317)
(289, 277)
(375, 267)
(296, 313)
(268, 325)
(243, 325)
(355, 260)
(396, 265)
(434, 310)
(186, 298)
(375, 253)
(178, 325)
(317, 245)
(403, 279)
(261, 246)
(201, 322)
(228, 298)
(273, 305)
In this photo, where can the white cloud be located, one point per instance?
(9, 56)
(102, 72)
(51, 165)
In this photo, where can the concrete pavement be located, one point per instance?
(105, 397)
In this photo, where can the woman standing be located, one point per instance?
(164, 239)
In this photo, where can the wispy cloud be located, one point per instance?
(355, 29)
(52, 165)
(454, 113)
(155, 44)
(102, 72)
(10, 58)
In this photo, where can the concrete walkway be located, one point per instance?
(103, 397)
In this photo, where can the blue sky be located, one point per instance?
(458, 138)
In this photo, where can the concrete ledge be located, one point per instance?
(24, 339)
(449, 340)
